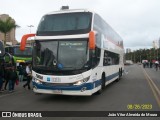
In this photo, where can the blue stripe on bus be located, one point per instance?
(89, 86)
(112, 76)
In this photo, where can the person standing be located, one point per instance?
(21, 73)
(156, 64)
(28, 75)
(12, 78)
(151, 64)
(1, 76)
(144, 64)
(7, 74)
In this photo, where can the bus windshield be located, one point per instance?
(25, 53)
(65, 24)
(61, 55)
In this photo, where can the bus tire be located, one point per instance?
(119, 75)
(102, 84)
(121, 72)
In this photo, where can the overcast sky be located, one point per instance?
(136, 21)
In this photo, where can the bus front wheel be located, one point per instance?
(102, 84)
(119, 75)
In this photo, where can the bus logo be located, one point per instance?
(48, 79)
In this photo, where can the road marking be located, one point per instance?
(154, 88)
(153, 83)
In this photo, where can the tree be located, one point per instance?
(144, 54)
(6, 26)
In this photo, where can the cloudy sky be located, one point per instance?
(137, 21)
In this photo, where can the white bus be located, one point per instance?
(75, 52)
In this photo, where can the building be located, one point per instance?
(128, 50)
(11, 40)
(155, 44)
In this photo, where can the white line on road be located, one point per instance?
(154, 88)
(153, 83)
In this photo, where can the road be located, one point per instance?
(138, 90)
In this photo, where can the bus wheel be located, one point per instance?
(102, 84)
(119, 76)
(121, 72)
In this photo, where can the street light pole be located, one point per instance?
(157, 54)
(30, 26)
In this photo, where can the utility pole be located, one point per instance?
(30, 26)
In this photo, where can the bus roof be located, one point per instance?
(68, 11)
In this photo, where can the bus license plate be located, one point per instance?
(57, 91)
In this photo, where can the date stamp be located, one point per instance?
(139, 106)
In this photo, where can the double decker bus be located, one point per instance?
(18, 55)
(75, 52)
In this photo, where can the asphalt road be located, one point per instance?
(138, 90)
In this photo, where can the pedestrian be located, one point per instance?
(8, 67)
(147, 64)
(156, 64)
(28, 75)
(151, 64)
(1, 76)
(12, 78)
(21, 73)
(144, 64)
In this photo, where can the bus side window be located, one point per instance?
(94, 57)
(109, 61)
(98, 53)
(105, 59)
(110, 58)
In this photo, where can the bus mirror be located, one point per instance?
(91, 40)
(2, 50)
(24, 39)
(8, 58)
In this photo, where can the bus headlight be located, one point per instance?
(80, 82)
(37, 81)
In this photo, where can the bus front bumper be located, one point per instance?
(81, 90)
(63, 92)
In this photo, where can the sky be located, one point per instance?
(136, 21)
